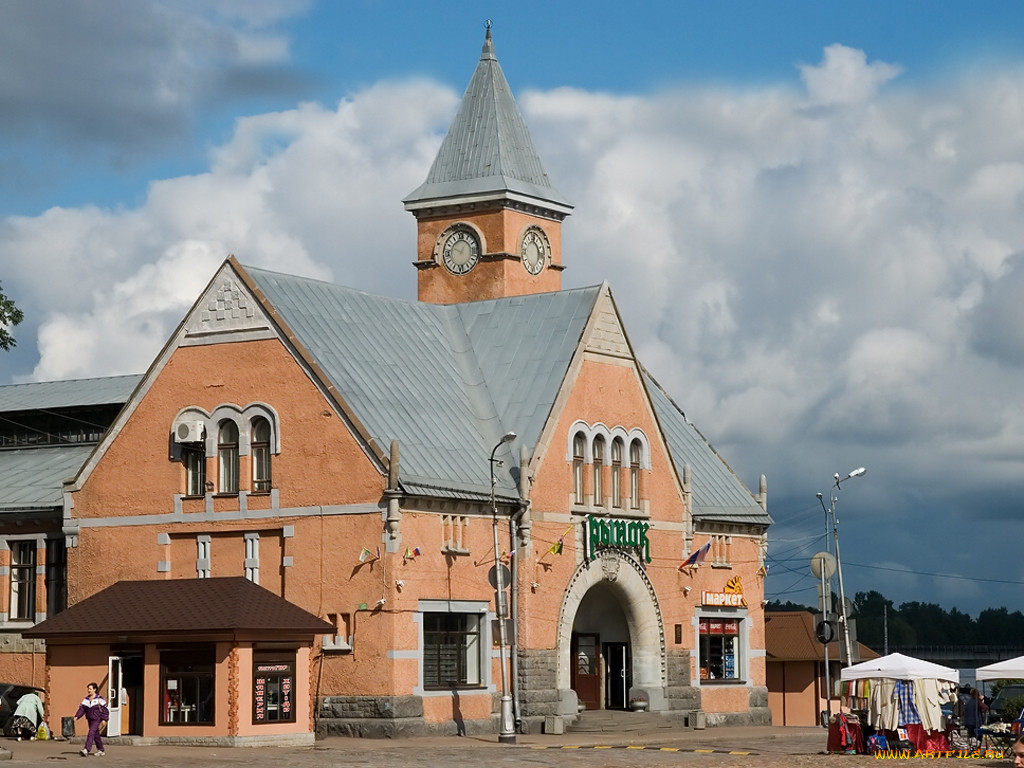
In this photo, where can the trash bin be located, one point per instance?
(67, 727)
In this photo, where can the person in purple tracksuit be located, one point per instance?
(94, 707)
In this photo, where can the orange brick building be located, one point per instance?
(384, 466)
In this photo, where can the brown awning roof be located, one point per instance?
(789, 636)
(182, 606)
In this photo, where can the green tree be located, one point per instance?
(10, 316)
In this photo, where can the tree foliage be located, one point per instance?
(10, 316)
(915, 623)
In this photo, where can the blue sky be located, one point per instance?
(810, 215)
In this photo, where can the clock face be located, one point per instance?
(534, 251)
(460, 251)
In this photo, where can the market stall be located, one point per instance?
(901, 697)
(1007, 669)
(1002, 735)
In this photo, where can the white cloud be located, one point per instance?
(845, 77)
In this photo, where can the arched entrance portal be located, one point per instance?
(611, 638)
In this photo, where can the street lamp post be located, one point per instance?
(506, 728)
(833, 497)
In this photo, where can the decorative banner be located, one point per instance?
(366, 554)
(622, 534)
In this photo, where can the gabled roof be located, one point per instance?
(181, 606)
(789, 636)
(447, 381)
(487, 151)
(718, 494)
(109, 390)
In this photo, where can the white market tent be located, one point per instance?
(1008, 668)
(899, 667)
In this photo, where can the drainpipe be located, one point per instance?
(519, 532)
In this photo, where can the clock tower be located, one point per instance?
(488, 220)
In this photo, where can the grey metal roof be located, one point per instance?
(718, 494)
(110, 390)
(32, 477)
(488, 148)
(446, 381)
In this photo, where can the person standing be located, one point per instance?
(94, 707)
(27, 716)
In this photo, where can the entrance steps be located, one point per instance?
(619, 721)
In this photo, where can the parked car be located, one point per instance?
(1006, 693)
(9, 695)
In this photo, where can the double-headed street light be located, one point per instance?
(506, 727)
(831, 512)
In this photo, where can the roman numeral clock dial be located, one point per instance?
(460, 252)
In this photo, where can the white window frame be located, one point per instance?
(479, 612)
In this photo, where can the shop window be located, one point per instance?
(193, 455)
(56, 576)
(260, 455)
(273, 689)
(23, 581)
(719, 648)
(227, 456)
(617, 472)
(634, 474)
(187, 687)
(451, 650)
(578, 446)
(598, 470)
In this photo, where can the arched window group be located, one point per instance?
(616, 457)
(228, 435)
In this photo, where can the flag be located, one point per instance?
(410, 553)
(378, 553)
(556, 548)
(366, 554)
(507, 556)
(695, 559)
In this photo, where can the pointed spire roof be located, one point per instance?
(487, 153)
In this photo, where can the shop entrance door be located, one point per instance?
(114, 695)
(586, 680)
(618, 675)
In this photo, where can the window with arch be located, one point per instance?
(598, 470)
(227, 456)
(617, 472)
(579, 443)
(260, 447)
(634, 474)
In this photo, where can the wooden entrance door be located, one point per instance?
(586, 672)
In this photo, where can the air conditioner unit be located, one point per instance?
(188, 431)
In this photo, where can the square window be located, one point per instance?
(451, 650)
